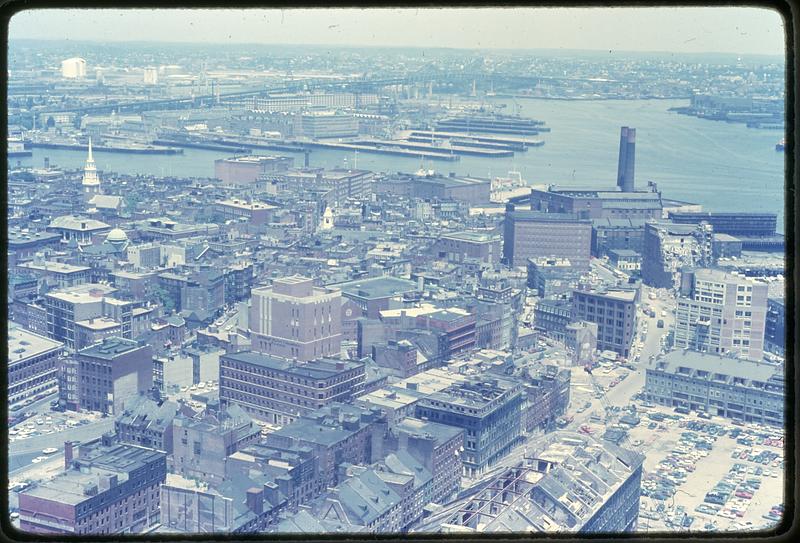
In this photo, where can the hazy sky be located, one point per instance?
(680, 30)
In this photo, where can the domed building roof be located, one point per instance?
(117, 235)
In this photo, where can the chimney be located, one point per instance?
(70, 447)
(270, 493)
(255, 500)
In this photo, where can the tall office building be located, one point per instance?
(294, 319)
(533, 234)
(721, 313)
(627, 157)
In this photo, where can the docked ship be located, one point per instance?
(781, 145)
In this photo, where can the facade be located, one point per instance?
(32, 364)
(733, 388)
(581, 337)
(721, 313)
(278, 391)
(57, 274)
(66, 307)
(112, 373)
(193, 507)
(610, 234)
(246, 170)
(25, 243)
(614, 312)
(295, 319)
(738, 224)
(532, 234)
(472, 190)
(490, 414)
(552, 317)
(106, 489)
(547, 396)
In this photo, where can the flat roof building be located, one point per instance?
(106, 489)
(743, 390)
(294, 319)
(32, 364)
(278, 390)
(533, 234)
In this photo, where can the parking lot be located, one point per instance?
(693, 481)
(48, 422)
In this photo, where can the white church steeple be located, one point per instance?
(91, 182)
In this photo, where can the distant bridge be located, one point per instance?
(353, 85)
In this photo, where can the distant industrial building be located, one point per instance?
(472, 190)
(593, 203)
(614, 312)
(611, 234)
(532, 234)
(73, 68)
(246, 170)
(721, 313)
(743, 390)
(294, 319)
(328, 124)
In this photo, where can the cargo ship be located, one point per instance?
(781, 145)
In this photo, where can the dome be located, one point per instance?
(117, 235)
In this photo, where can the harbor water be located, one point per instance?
(723, 166)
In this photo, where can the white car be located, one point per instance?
(50, 450)
(38, 459)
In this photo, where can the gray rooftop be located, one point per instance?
(376, 287)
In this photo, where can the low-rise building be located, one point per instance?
(112, 373)
(32, 364)
(489, 412)
(278, 390)
(614, 312)
(106, 489)
(733, 388)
